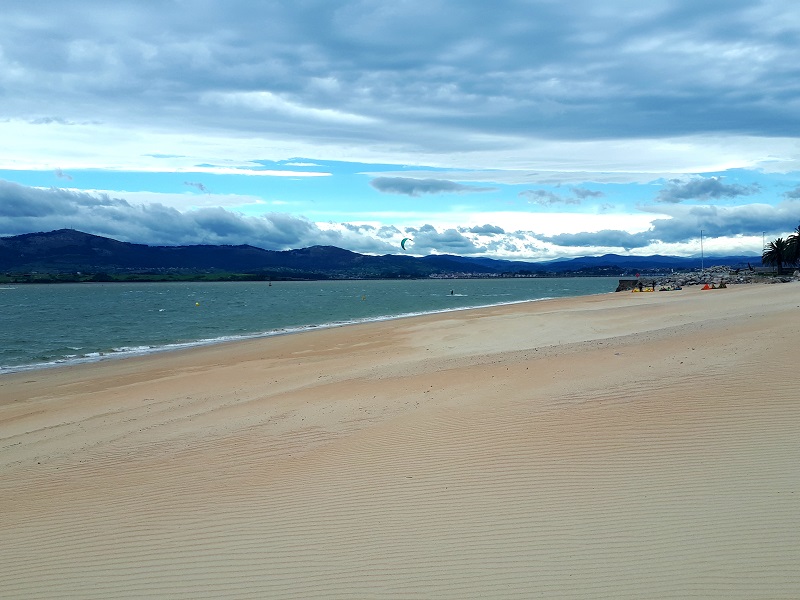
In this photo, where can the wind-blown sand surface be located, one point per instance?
(615, 446)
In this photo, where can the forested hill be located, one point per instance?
(67, 251)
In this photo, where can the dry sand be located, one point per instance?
(615, 446)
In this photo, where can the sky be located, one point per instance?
(515, 129)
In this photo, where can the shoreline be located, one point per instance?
(605, 446)
(125, 353)
(128, 351)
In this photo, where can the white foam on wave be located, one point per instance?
(131, 351)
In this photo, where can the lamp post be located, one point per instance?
(702, 256)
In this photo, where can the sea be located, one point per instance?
(46, 325)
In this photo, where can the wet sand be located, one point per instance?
(615, 446)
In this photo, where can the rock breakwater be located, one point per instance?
(711, 276)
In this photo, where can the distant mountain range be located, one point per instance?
(69, 251)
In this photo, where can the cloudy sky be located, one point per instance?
(530, 129)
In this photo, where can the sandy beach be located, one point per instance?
(616, 446)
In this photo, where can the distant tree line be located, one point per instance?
(782, 252)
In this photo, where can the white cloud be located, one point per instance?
(269, 102)
(238, 203)
(106, 146)
(471, 97)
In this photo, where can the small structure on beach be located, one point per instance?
(627, 284)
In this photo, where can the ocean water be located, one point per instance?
(45, 325)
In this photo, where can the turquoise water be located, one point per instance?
(44, 325)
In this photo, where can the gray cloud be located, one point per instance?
(793, 194)
(540, 69)
(486, 230)
(198, 185)
(18, 201)
(703, 188)
(25, 210)
(545, 198)
(605, 238)
(358, 228)
(387, 231)
(584, 193)
(423, 229)
(685, 222)
(417, 187)
(429, 240)
(370, 239)
(508, 245)
(451, 82)
(50, 121)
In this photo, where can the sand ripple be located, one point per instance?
(632, 448)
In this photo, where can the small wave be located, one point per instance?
(130, 351)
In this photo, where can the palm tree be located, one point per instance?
(794, 246)
(776, 254)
